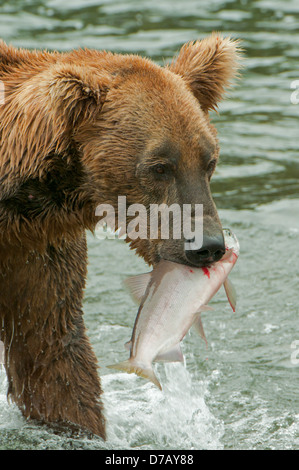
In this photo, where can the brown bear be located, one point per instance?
(78, 129)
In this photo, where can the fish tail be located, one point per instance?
(131, 367)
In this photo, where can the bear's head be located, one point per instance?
(142, 132)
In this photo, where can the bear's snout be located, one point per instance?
(212, 250)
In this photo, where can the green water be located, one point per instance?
(241, 393)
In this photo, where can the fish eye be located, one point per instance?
(227, 232)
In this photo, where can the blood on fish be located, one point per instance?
(191, 271)
(206, 272)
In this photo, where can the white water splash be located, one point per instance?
(142, 417)
(10, 416)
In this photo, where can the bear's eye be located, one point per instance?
(160, 169)
(211, 167)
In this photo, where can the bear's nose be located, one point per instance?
(212, 250)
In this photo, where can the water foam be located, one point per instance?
(10, 416)
(139, 416)
(142, 417)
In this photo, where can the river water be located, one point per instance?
(241, 392)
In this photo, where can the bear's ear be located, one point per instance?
(208, 66)
(77, 94)
(46, 111)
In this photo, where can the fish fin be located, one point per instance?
(137, 285)
(205, 308)
(231, 293)
(128, 345)
(130, 367)
(172, 355)
(199, 328)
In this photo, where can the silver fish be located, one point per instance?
(172, 298)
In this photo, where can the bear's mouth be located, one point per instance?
(186, 262)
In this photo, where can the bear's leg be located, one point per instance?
(51, 368)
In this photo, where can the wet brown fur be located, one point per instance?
(78, 129)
